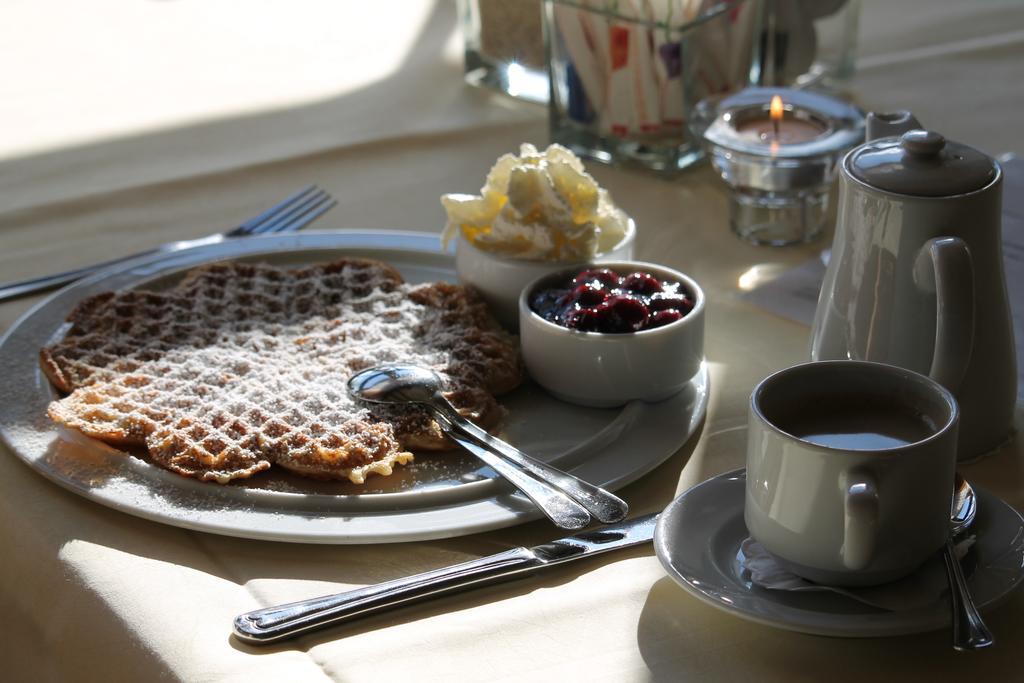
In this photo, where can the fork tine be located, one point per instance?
(295, 212)
(287, 212)
(298, 215)
(305, 219)
(250, 226)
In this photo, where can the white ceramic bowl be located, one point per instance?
(605, 370)
(500, 279)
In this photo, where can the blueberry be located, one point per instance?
(608, 278)
(622, 313)
(587, 295)
(583, 319)
(545, 303)
(664, 317)
(641, 283)
(667, 300)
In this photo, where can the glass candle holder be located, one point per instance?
(779, 165)
(623, 86)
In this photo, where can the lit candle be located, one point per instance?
(777, 150)
(780, 126)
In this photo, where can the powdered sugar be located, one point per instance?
(242, 366)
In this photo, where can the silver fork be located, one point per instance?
(293, 213)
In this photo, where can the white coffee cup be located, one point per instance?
(850, 470)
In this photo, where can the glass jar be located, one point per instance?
(808, 43)
(504, 47)
(624, 86)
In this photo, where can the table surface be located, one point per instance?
(133, 124)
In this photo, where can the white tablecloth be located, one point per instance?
(132, 124)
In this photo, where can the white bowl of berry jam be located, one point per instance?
(612, 332)
(499, 279)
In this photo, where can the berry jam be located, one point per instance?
(601, 300)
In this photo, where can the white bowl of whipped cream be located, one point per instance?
(538, 212)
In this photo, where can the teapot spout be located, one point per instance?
(887, 124)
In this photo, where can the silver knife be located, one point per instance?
(272, 624)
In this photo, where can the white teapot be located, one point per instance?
(915, 277)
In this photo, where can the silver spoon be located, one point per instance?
(969, 631)
(567, 500)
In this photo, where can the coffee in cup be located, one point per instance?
(868, 421)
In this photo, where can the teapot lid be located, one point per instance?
(921, 163)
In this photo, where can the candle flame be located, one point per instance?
(775, 108)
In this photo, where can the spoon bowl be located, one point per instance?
(396, 384)
(965, 507)
(969, 630)
(566, 499)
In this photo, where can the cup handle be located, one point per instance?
(944, 265)
(861, 520)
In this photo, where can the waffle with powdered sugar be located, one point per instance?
(241, 367)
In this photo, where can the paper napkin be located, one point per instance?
(919, 590)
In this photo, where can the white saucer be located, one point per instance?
(698, 540)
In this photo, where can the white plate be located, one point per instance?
(439, 496)
(698, 541)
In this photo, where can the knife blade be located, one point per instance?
(272, 624)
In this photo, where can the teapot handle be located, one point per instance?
(944, 264)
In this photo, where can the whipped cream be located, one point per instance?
(540, 206)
